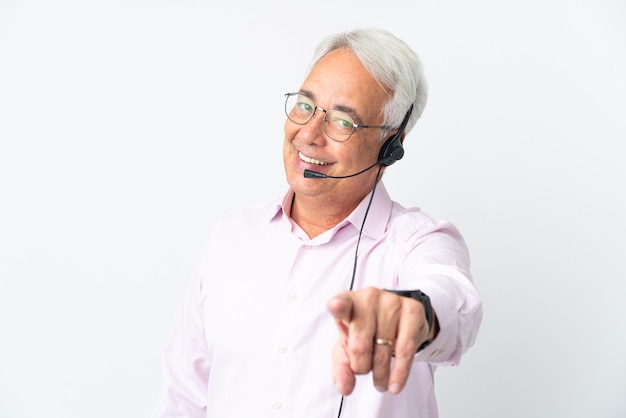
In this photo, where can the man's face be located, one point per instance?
(338, 81)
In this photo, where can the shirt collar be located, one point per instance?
(377, 218)
(378, 215)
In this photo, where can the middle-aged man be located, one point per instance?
(332, 300)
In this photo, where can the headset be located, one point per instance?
(392, 150)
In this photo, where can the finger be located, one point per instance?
(362, 330)
(340, 307)
(342, 374)
(411, 326)
(381, 366)
(386, 330)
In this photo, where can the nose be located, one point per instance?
(314, 130)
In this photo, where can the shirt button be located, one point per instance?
(434, 353)
(283, 349)
(277, 404)
(308, 247)
(293, 296)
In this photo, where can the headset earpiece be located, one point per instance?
(391, 151)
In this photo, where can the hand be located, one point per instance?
(365, 315)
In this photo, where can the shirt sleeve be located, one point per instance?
(185, 362)
(437, 262)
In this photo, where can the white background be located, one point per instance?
(121, 142)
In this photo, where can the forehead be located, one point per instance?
(340, 80)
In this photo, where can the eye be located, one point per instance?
(305, 105)
(341, 120)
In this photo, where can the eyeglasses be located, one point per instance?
(338, 126)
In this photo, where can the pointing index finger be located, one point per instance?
(340, 307)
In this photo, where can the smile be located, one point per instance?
(311, 160)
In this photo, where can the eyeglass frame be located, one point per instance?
(354, 125)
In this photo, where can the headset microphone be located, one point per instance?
(317, 175)
(391, 151)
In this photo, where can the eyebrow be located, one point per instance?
(346, 109)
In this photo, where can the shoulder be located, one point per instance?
(413, 224)
(248, 217)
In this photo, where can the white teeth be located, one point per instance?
(310, 160)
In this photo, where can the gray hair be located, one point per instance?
(392, 63)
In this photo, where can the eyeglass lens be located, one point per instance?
(300, 109)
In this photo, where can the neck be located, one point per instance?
(316, 216)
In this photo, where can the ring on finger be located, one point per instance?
(382, 341)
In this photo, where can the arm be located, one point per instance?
(185, 362)
(436, 261)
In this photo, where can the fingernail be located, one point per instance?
(380, 388)
(394, 388)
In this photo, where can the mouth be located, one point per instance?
(311, 160)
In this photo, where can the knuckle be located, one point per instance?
(358, 347)
(392, 304)
(370, 294)
(414, 308)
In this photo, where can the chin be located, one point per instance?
(293, 177)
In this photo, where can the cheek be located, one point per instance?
(289, 131)
(288, 148)
(364, 152)
(289, 126)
